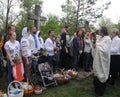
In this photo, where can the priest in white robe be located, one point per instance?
(101, 63)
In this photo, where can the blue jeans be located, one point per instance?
(9, 71)
(86, 61)
(75, 63)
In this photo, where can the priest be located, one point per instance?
(101, 63)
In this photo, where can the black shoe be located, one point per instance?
(111, 82)
(96, 95)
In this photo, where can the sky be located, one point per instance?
(54, 7)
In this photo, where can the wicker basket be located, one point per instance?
(29, 91)
(16, 91)
(1, 94)
(72, 74)
(38, 90)
(62, 81)
(60, 71)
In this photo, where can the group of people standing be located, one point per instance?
(63, 51)
(93, 50)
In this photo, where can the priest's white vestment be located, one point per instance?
(101, 63)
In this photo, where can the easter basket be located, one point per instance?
(15, 89)
(62, 80)
(38, 90)
(72, 73)
(28, 88)
(61, 76)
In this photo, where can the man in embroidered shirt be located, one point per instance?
(34, 42)
(50, 46)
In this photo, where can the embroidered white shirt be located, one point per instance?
(49, 46)
(25, 47)
(14, 48)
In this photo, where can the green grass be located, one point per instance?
(74, 88)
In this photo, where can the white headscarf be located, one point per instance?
(38, 33)
(25, 33)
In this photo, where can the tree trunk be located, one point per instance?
(7, 16)
(77, 15)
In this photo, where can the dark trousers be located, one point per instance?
(91, 60)
(81, 61)
(75, 62)
(86, 62)
(27, 68)
(9, 71)
(68, 59)
(1, 73)
(114, 68)
(52, 61)
(65, 59)
(99, 87)
(63, 56)
(57, 56)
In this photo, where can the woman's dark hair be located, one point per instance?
(28, 29)
(77, 32)
(32, 27)
(39, 33)
(10, 26)
(50, 31)
(104, 30)
(67, 26)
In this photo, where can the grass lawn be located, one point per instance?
(82, 88)
(74, 88)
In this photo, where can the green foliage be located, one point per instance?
(22, 24)
(28, 8)
(7, 15)
(79, 11)
(28, 5)
(70, 11)
(53, 23)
